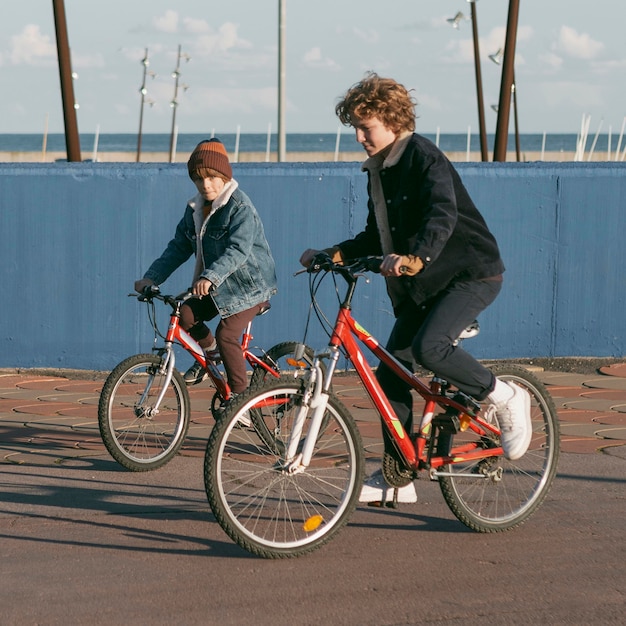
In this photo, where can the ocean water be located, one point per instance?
(295, 142)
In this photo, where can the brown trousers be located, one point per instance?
(228, 333)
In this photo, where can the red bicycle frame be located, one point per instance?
(176, 334)
(414, 450)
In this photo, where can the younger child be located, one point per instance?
(234, 275)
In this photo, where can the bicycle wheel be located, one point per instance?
(261, 504)
(281, 358)
(137, 435)
(506, 493)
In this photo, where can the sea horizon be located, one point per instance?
(295, 142)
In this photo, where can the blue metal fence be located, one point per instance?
(75, 236)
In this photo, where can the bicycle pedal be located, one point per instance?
(381, 504)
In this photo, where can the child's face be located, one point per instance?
(209, 187)
(372, 134)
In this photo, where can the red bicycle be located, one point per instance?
(289, 495)
(144, 407)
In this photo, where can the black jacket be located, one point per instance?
(432, 216)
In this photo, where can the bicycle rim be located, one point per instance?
(259, 504)
(136, 434)
(505, 493)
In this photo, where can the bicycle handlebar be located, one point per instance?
(153, 292)
(323, 262)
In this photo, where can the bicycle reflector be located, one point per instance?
(313, 523)
(295, 362)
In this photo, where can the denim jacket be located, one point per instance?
(231, 251)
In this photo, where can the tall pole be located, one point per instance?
(174, 102)
(143, 92)
(72, 140)
(479, 86)
(504, 107)
(282, 19)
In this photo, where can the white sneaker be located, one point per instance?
(515, 424)
(376, 489)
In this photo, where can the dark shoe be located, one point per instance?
(195, 374)
(213, 356)
(244, 420)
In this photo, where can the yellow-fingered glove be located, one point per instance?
(335, 254)
(411, 265)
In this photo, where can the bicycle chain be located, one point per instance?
(394, 474)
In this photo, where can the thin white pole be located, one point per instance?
(595, 139)
(337, 144)
(282, 73)
(469, 137)
(268, 143)
(174, 144)
(236, 158)
(543, 145)
(619, 141)
(437, 137)
(45, 139)
(95, 143)
(582, 140)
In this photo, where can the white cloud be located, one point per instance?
(579, 46)
(168, 22)
(31, 47)
(224, 40)
(314, 58)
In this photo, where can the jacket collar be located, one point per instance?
(379, 162)
(197, 202)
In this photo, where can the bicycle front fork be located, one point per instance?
(315, 398)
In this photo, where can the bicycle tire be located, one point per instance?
(276, 357)
(512, 490)
(135, 436)
(266, 510)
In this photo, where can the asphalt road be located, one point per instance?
(87, 542)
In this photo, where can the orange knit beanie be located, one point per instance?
(210, 154)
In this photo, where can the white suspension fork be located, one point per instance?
(169, 362)
(317, 400)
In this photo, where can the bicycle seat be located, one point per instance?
(470, 331)
(264, 308)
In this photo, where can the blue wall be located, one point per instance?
(75, 236)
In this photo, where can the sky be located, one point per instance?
(570, 63)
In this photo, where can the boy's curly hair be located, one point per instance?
(379, 97)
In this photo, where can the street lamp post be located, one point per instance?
(72, 139)
(143, 91)
(282, 26)
(455, 21)
(497, 59)
(174, 102)
(479, 85)
(506, 83)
